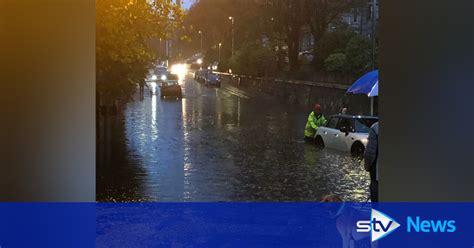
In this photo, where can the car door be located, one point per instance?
(329, 132)
(342, 140)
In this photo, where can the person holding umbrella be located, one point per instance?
(371, 155)
(316, 119)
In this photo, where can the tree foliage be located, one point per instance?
(253, 59)
(354, 59)
(320, 14)
(211, 17)
(336, 62)
(123, 29)
(359, 55)
(331, 42)
(280, 24)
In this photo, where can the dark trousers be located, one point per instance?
(374, 191)
(309, 140)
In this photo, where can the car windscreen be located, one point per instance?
(213, 77)
(161, 71)
(363, 125)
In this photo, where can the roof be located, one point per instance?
(355, 116)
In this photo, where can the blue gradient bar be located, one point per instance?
(228, 224)
(47, 225)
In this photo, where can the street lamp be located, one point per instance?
(232, 22)
(220, 44)
(200, 33)
(374, 3)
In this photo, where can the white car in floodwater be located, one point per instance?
(345, 133)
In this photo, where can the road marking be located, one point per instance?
(236, 92)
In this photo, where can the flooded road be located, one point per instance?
(221, 144)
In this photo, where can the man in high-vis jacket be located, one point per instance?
(315, 120)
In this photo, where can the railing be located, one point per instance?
(298, 82)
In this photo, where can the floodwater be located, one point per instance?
(221, 144)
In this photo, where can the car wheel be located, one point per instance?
(318, 141)
(357, 149)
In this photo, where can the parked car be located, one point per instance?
(345, 133)
(201, 75)
(170, 87)
(212, 79)
(197, 75)
(305, 57)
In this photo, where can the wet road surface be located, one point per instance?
(221, 144)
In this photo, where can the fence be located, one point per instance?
(331, 96)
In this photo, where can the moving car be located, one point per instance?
(157, 74)
(212, 79)
(160, 71)
(170, 87)
(345, 133)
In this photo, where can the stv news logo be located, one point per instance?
(379, 225)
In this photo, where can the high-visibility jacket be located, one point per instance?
(314, 122)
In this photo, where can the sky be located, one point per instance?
(187, 3)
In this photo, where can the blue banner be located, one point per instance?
(47, 225)
(236, 225)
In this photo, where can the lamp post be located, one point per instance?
(374, 9)
(200, 34)
(220, 44)
(374, 2)
(232, 22)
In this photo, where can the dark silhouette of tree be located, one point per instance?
(320, 14)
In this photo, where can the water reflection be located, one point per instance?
(224, 145)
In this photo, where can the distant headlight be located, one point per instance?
(163, 77)
(154, 77)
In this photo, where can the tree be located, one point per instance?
(355, 59)
(320, 14)
(123, 29)
(211, 17)
(359, 55)
(336, 62)
(289, 18)
(253, 59)
(330, 43)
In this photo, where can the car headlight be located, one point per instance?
(163, 77)
(154, 77)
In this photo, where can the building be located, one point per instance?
(358, 19)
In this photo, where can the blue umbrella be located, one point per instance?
(374, 91)
(367, 84)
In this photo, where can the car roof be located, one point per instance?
(355, 116)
